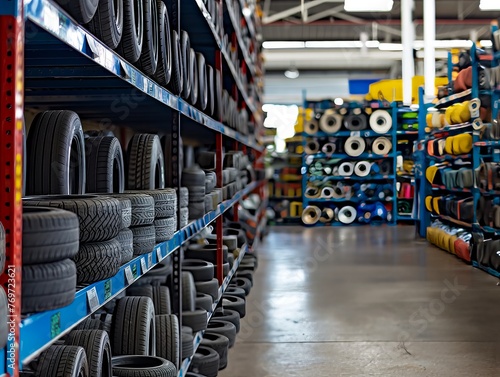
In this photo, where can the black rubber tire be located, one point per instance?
(186, 330)
(188, 292)
(218, 96)
(97, 349)
(144, 239)
(225, 328)
(200, 269)
(167, 338)
(165, 229)
(131, 44)
(219, 343)
(209, 287)
(228, 315)
(184, 219)
(126, 240)
(159, 273)
(142, 366)
(246, 266)
(81, 10)
(48, 286)
(146, 168)
(202, 82)
(100, 218)
(205, 361)
(4, 329)
(235, 291)
(187, 340)
(187, 69)
(165, 201)
(133, 330)
(175, 84)
(244, 274)
(205, 252)
(56, 154)
(49, 235)
(210, 91)
(204, 301)
(107, 23)
(148, 62)
(126, 205)
(164, 68)
(234, 303)
(98, 261)
(196, 319)
(193, 71)
(143, 208)
(239, 233)
(242, 283)
(63, 361)
(225, 269)
(96, 323)
(192, 374)
(161, 300)
(104, 163)
(230, 260)
(141, 291)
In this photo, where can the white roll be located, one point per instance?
(327, 215)
(346, 169)
(477, 124)
(312, 146)
(347, 215)
(380, 121)
(311, 127)
(362, 168)
(330, 122)
(329, 148)
(311, 215)
(327, 192)
(338, 193)
(354, 146)
(381, 146)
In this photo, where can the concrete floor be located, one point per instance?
(365, 301)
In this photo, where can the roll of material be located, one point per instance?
(477, 124)
(346, 169)
(381, 146)
(354, 146)
(385, 167)
(312, 146)
(327, 192)
(355, 122)
(474, 106)
(312, 192)
(311, 215)
(338, 193)
(327, 215)
(329, 148)
(362, 168)
(380, 121)
(347, 215)
(436, 120)
(330, 122)
(311, 127)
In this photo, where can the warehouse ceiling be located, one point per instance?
(326, 20)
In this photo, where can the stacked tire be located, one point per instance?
(194, 179)
(183, 200)
(206, 160)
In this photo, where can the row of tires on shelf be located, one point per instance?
(332, 121)
(353, 146)
(451, 145)
(451, 239)
(359, 192)
(321, 167)
(364, 213)
(136, 334)
(447, 176)
(140, 32)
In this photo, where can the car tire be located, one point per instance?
(164, 68)
(200, 269)
(225, 328)
(97, 349)
(142, 366)
(148, 62)
(196, 319)
(63, 361)
(131, 43)
(98, 261)
(167, 338)
(205, 362)
(146, 167)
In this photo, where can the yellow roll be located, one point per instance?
(462, 143)
(428, 203)
(428, 120)
(456, 109)
(447, 114)
(448, 147)
(430, 173)
(435, 204)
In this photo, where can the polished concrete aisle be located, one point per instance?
(365, 301)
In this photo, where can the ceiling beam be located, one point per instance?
(298, 9)
(357, 20)
(326, 13)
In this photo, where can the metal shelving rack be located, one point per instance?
(48, 61)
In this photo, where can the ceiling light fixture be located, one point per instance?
(368, 5)
(292, 73)
(272, 45)
(489, 5)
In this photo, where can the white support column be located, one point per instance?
(429, 49)
(407, 39)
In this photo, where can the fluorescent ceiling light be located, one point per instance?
(334, 44)
(368, 5)
(390, 47)
(270, 45)
(489, 5)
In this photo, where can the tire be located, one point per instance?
(204, 301)
(131, 44)
(209, 287)
(187, 71)
(159, 273)
(218, 95)
(48, 286)
(141, 291)
(97, 349)
(107, 23)
(225, 328)
(205, 361)
(184, 219)
(230, 260)
(100, 218)
(202, 82)
(126, 240)
(49, 235)
(210, 90)
(246, 266)
(133, 330)
(244, 274)
(196, 319)
(225, 269)
(90, 324)
(242, 283)
(146, 169)
(148, 62)
(188, 292)
(63, 361)
(142, 366)
(4, 330)
(56, 154)
(144, 239)
(165, 201)
(98, 261)
(165, 229)
(236, 291)
(220, 344)
(205, 252)
(172, 147)
(164, 68)
(193, 71)
(200, 269)
(187, 345)
(167, 338)
(234, 303)
(143, 208)
(104, 162)
(81, 10)
(161, 300)
(192, 177)
(186, 330)
(175, 84)
(228, 315)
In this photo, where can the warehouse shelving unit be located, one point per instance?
(62, 65)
